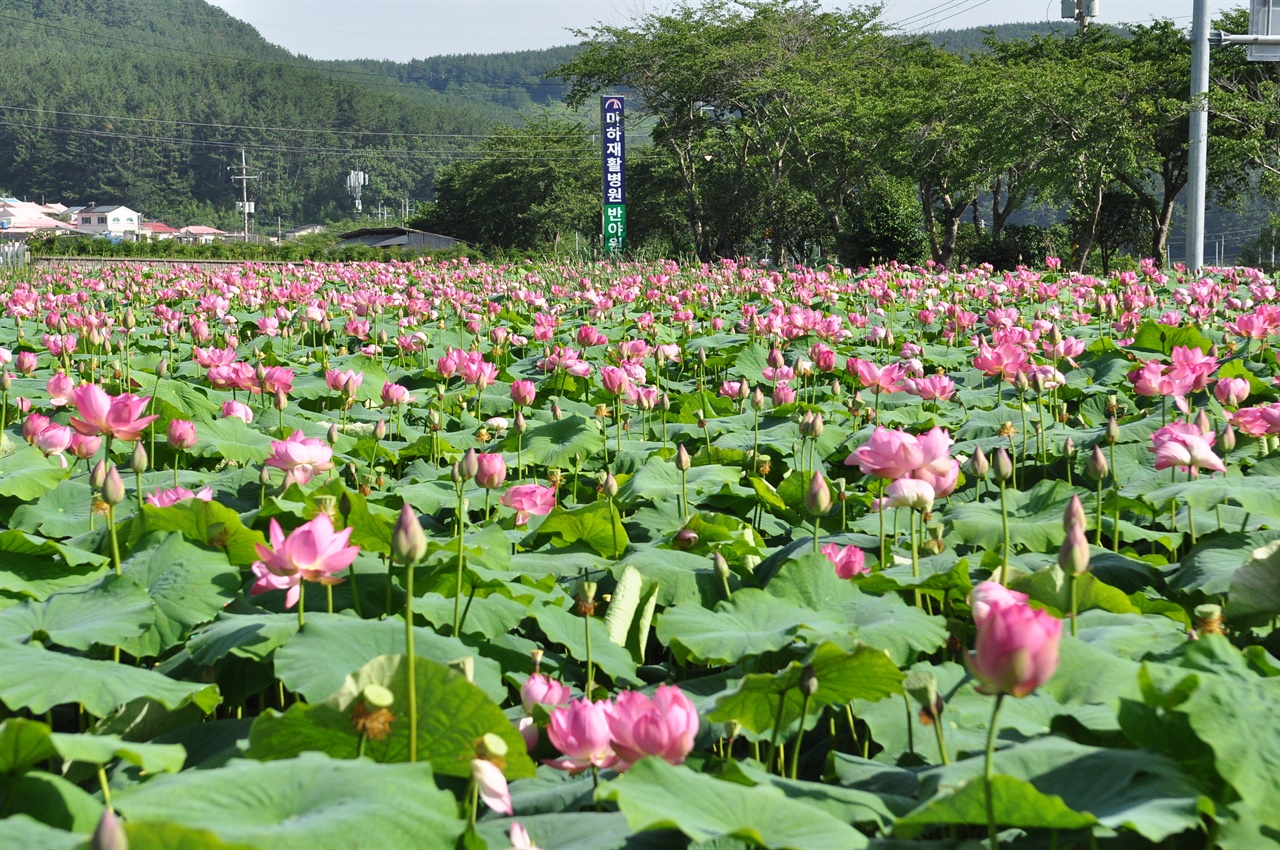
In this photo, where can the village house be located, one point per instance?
(111, 221)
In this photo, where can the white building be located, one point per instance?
(108, 221)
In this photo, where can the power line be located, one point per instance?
(182, 123)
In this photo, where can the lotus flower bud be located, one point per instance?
(665, 402)
(113, 487)
(720, 565)
(469, 464)
(815, 428)
(818, 500)
(455, 473)
(702, 357)
(808, 681)
(686, 538)
(1073, 556)
(162, 367)
(1069, 448)
(98, 475)
(519, 424)
(1074, 514)
(978, 464)
(408, 541)
(6, 381)
(1112, 432)
(280, 401)
(138, 460)
(264, 477)
(683, 461)
(1228, 439)
(1202, 422)
(1020, 382)
(1002, 465)
(922, 686)
(331, 436)
(610, 485)
(380, 430)
(109, 835)
(776, 359)
(556, 413)
(1098, 466)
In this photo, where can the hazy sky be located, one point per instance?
(407, 29)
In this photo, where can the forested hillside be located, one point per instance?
(146, 102)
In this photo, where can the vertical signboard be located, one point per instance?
(1264, 19)
(614, 161)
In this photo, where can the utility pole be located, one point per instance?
(244, 177)
(1080, 11)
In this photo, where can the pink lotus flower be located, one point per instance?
(165, 498)
(116, 417)
(663, 726)
(491, 471)
(885, 379)
(519, 838)
(26, 362)
(540, 689)
(53, 439)
(1016, 650)
(492, 786)
(615, 381)
(348, 381)
(932, 388)
(580, 730)
(277, 378)
(937, 468)
(523, 393)
(33, 425)
(479, 372)
(783, 394)
(85, 447)
(1184, 446)
(181, 434)
(887, 454)
(312, 552)
(849, 561)
(1231, 392)
(394, 395)
(910, 493)
(526, 499)
(234, 376)
(300, 457)
(988, 594)
(237, 410)
(59, 389)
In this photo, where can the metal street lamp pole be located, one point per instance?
(1197, 159)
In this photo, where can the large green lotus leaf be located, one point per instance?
(563, 627)
(1212, 563)
(111, 612)
(966, 717)
(1124, 789)
(210, 524)
(253, 636)
(1035, 518)
(764, 701)
(25, 743)
(847, 804)
(1130, 635)
(36, 567)
(1162, 339)
(182, 400)
(751, 623)
(157, 835)
(61, 512)
(1219, 695)
(578, 831)
(885, 622)
(1255, 588)
(597, 525)
(27, 474)
(679, 577)
(452, 715)
(100, 685)
(486, 616)
(188, 583)
(49, 799)
(659, 480)
(25, 831)
(553, 444)
(331, 647)
(231, 439)
(1252, 493)
(1014, 802)
(943, 572)
(304, 803)
(751, 362)
(656, 795)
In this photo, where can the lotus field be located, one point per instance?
(441, 555)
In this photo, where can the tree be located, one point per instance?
(528, 187)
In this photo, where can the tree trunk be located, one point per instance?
(1091, 231)
(926, 207)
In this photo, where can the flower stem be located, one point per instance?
(457, 594)
(302, 598)
(795, 753)
(411, 658)
(591, 670)
(915, 555)
(1075, 602)
(1004, 527)
(115, 542)
(986, 773)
